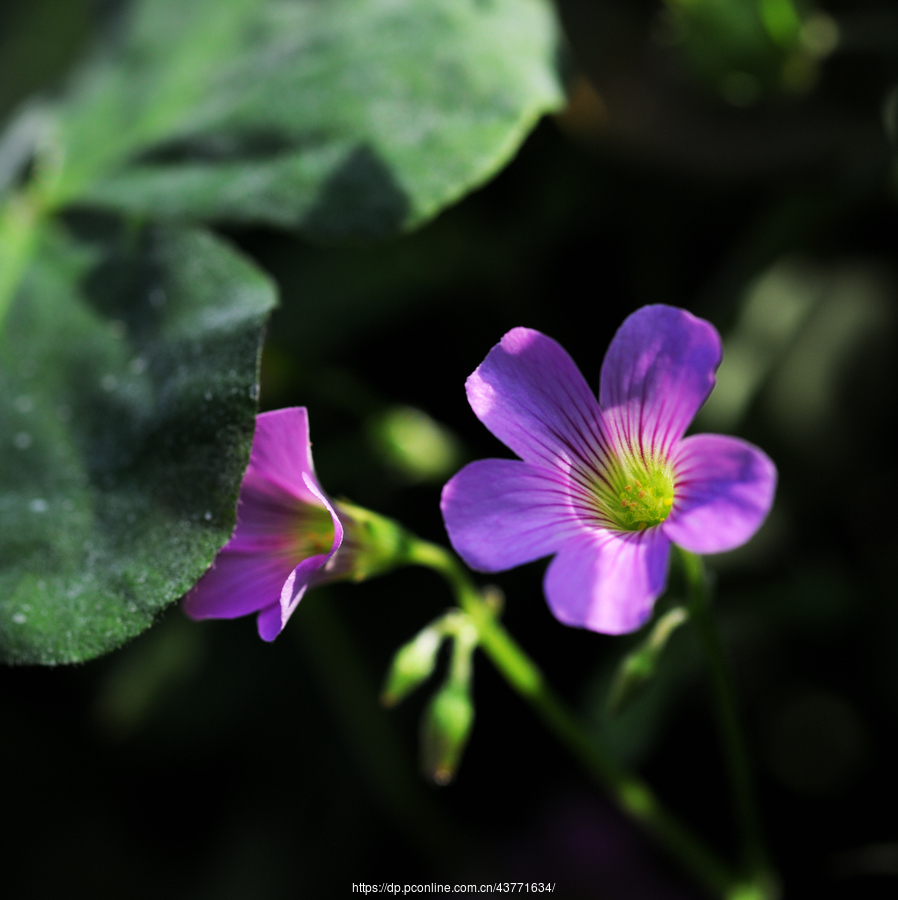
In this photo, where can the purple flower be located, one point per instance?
(288, 533)
(605, 485)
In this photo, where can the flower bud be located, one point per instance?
(638, 667)
(445, 730)
(413, 663)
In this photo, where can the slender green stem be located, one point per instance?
(23, 212)
(632, 794)
(19, 220)
(754, 857)
(378, 752)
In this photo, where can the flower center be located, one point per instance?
(314, 532)
(636, 495)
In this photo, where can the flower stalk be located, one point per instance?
(24, 210)
(631, 794)
(760, 884)
(20, 218)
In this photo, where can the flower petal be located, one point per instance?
(657, 373)
(501, 513)
(237, 584)
(257, 569)
(271, 621)
(723, 491)
(281, 456)
(608, 581)
(530, 394)
(271, 522)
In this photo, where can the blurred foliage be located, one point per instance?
(287, 112)
(128, 367)
(273, 770)
(746, 49)
(255, 111)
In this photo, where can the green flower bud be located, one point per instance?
(445, 730)
(413, 663)
(414, 445)
(638, 667)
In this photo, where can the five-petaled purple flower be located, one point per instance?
(605, 485)
(287, 537)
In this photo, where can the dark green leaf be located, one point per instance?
(345, 118)
(128, 377)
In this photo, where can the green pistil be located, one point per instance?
(638, 496)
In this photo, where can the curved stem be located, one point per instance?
(632, 795)
(754, 857)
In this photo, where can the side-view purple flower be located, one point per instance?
(607, 484)
(287, 534)
(290, 536)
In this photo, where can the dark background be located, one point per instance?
(200, 762)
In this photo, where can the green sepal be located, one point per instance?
(372, 544)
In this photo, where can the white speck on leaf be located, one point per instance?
(22, 440)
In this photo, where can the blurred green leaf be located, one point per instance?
(746, 49)
(128, 372)
(415, 446)
(345, 119)
(38, 41)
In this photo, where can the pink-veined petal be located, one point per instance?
(238, 584)
(262, 569)
(530, 394)
(271, 621)
(501, 513)
(723, 491)
(608, 581)
(657, 373)
(281, 455)
(269, 522)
